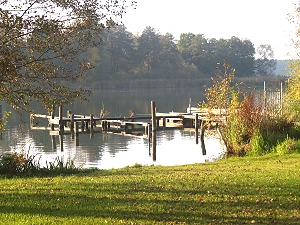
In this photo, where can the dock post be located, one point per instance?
(104, 125)
(52, 117)
(202, 138)
(53, 142)
(196, 128)
(91, 125)
(153, 115)
(164, 122)
(61, 122)
(126, 128)
(82, 126)
(69, 115)
(76, 134)
(61, 142)
(86, 125)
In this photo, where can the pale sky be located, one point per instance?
(260, 21)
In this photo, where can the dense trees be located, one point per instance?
(42, 44)
(153, 55)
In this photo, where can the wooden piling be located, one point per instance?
(76, 131)
(164, 122)
(153, 116)
(53, 142)
(91, 125)
(196, 128)
(76, 128)
(61, 142)
(202, 138)
(61, 122)
(52, 117)
(82, 126)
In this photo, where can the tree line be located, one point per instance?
(151, 55)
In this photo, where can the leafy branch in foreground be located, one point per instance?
(41, 43)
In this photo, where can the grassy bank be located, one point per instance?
(262, 190)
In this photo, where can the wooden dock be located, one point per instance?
(144, 126)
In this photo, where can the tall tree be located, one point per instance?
(40, 43)
(240, 55)
(149, 47)
(170, 60)
(120, 45)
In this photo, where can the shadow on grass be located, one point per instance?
(68, 206)
(152, 204)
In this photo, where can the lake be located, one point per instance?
(105, 151)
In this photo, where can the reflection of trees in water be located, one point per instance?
(165, 135)
(118, 104)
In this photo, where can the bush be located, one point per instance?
(13, 163)
(257, 145)
(22, 163)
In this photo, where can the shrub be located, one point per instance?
(24, 163)
(12, 163)
(257, 145)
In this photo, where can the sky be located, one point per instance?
(260, 21)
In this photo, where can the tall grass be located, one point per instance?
(252, 129)
(24, 163)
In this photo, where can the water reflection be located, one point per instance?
(174, 147)
(104, 151)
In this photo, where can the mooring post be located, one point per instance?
(153, 115)
(53, 142)
(61, 142)
(69, 115)
(164, 122)
(52, 117)
(91, 125)
(76, 134)
(202, 138)
(196, 128)
(72, 121)
(82, 126)
(61, 122)
(125, 127)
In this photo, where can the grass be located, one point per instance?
(248, 190)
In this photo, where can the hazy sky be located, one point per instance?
(260, 21)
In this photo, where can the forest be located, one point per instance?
(151, 55)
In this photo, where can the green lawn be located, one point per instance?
(262, 190)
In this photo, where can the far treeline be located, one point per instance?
(151, 55)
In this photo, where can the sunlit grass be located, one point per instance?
(262, 190)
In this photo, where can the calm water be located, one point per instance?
(104, 151)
